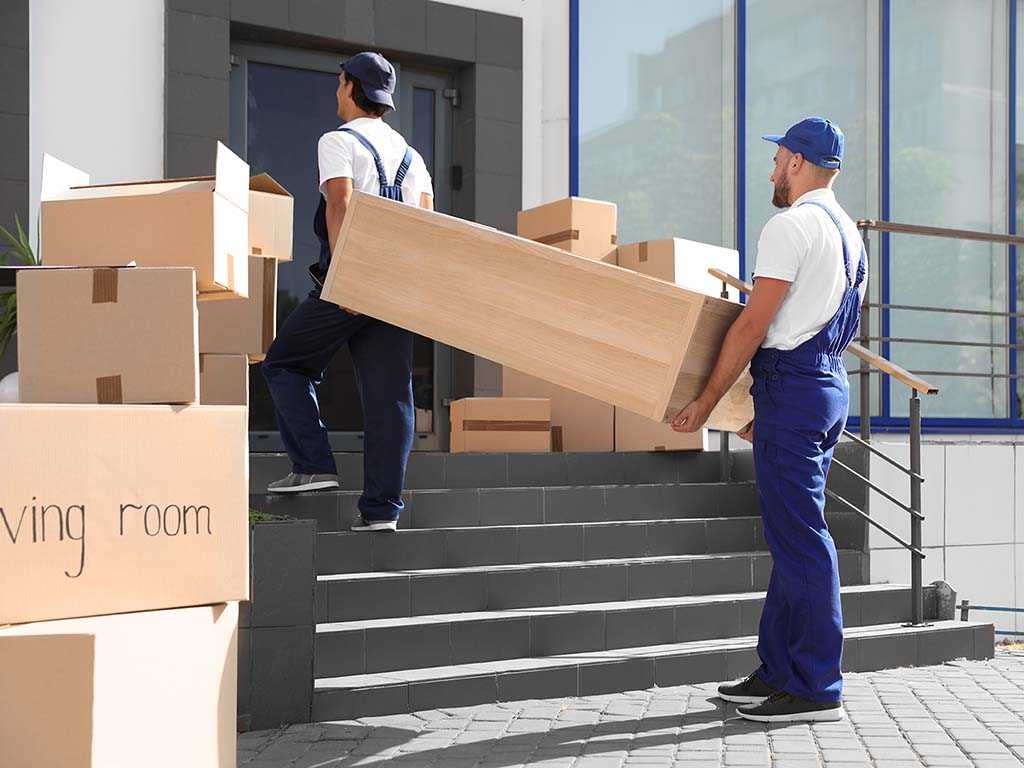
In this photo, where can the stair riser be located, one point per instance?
(524, 506)
(467, 547)
(385, 649)
(482, 470)
(862, 654)
(394, 596)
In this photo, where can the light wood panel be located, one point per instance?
(606, 332)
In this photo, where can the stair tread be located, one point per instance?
(372, 575)
(547, 610)
(676, 484)
(402, 677)
(578, 524)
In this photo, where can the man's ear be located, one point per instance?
(796, 162)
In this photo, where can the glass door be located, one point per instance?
(282, 101)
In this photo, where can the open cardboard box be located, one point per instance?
(271, 212)
(201, 223)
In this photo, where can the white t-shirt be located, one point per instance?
(802, 245)
(341, 155)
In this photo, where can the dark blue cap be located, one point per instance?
(819, 140)
(375, 74)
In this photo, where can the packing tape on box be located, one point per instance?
(556, 440)
(254, 251)
(489, 425)
(269, 287)
(202, 364)
(108, 390)
(643, 252)
(104, 286)
(559, 237)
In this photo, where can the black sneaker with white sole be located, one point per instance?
(780, 707)
(752, 690)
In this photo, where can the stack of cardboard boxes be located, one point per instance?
(124, 535)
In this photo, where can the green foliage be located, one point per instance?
(18, 248)
(257, 516)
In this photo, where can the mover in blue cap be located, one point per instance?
(809, 282)
(364, 153)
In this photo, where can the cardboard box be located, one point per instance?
(271, 211)
(108, 336)
(224, 380)
(111, 509)
(606, 332)
(638, 433)
(683, 262)
(575, 224)
(154, 689)
(501, 425)
(201, 223)
(243, 326)
(586, 424)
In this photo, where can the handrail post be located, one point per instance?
(865, 372)
(916, 566)
(724, 459)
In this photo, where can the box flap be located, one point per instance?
(58, 178)
(264, 182)
(232, 177)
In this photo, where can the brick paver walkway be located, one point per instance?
(957, 714)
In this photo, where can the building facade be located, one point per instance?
(656, 105)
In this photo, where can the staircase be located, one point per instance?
(527, 576)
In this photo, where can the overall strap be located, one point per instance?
(862, 266)
(381, 175)
(404, 167)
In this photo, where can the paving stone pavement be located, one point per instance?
(957, 714)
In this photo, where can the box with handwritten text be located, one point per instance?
(116, 508)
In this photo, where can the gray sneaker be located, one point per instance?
(362, 525)
(300, 483)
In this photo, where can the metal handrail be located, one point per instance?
(865, 354)
(952, 234)
(965, 608)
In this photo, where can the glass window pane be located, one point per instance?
(832, 73)
(288, 110)
(948, 168)
(656, 116)
(423, 100)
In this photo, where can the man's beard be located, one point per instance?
(780, 198)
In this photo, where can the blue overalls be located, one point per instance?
(382, 357)
(801, 401)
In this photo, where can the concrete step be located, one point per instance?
(438, 508)
(385, 645)
(511, 470)
(410, 592)
(508, 544)
(867, 648)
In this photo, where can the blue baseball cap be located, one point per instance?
(819, 140)
(375, 74)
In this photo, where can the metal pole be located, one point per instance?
(724, 459)
(916, 583)
(865, 377)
